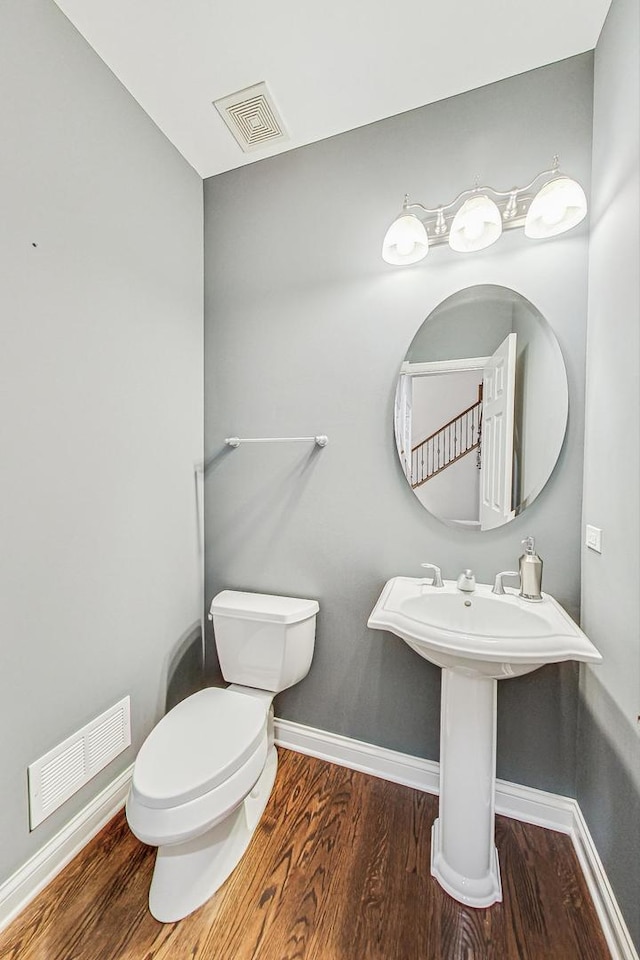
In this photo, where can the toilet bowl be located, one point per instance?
(203, 776)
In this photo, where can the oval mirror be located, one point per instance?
(481, 407)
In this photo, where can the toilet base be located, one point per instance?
(187, 874)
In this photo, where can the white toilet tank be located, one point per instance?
(263, 641)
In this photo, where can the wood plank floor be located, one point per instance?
(337, 870)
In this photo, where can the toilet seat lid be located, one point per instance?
(197, 746)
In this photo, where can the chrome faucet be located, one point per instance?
(437, 574)
(466, 582)
(498, 586)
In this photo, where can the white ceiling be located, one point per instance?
(331, 66)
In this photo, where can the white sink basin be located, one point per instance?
(479, 632)
(477, 638)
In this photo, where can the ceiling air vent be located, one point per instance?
(252, 117)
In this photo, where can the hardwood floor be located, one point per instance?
(337, 870)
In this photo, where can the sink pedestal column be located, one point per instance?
(464, 859)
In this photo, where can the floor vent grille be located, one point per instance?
(252, 117)
(62, 771)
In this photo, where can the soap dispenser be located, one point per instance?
(530, 571)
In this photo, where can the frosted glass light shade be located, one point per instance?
(405, 241)
(476, 225)
(558, 206)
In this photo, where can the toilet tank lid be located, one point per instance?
(262, 606)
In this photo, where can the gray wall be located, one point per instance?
(101, 406)
(473, 323)
(541, 402)
(305, 329)
(609, 746)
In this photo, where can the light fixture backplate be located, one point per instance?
(517, 220)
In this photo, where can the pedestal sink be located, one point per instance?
(477, 639)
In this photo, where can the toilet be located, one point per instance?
(203, 776)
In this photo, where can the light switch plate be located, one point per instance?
(593, 538)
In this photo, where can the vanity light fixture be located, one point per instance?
(547, 206)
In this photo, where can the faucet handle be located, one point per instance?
(498, 586)
(437, 574)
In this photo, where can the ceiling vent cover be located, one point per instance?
(252, 117)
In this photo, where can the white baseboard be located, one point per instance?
(357, 755)
(30, 879)
(613, 925)
(527, 804)
(512, 800)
